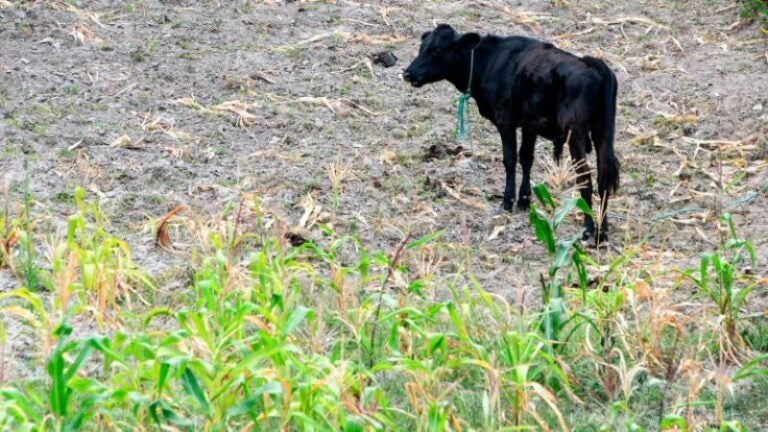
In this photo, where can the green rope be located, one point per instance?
(461, 132)
(463, 101)
(463, 127)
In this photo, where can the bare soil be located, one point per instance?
(125, 99)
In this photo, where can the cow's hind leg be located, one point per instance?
(526, 161)
(578, 145)
(509, 143)
(599, 140)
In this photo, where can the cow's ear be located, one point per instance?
(425, 34)
(468, 41)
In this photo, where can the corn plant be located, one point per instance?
(562, 254)
(20, 411)
(527, 362)
(718, 278)
(27, 307)
(519, 377)
(282, 338)
(107, 273)
(16, 238)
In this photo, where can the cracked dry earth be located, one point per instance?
(151, 104)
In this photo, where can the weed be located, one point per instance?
(25, 237)
(138, 55)
(72, 90)
(718, 279)
(755, 10)
(9, 228)
(152, 45)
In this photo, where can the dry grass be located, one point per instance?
(293, 167)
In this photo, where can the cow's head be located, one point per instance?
(440, 53)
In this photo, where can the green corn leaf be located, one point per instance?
(562, 256)
(353, 424)
(167, 414)
(162, 376)
(254, 399)
(295, 319)
(563, 211)
(58, 392)
(752, 368)
(436, 342)
(673, 421)
(543, 230)
(192, 387)
(542, 194)
(70, 372)
(732, 426)
(426, 239)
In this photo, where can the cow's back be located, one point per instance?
(530, 81)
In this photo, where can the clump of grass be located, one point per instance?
(8, 230)
(756, 10)
(26, 240)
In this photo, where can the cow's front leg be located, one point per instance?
(526, 161)
(509, 147)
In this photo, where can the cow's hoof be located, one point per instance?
(602, 239)
(523, 204)
(590, 239)
(507, 206)
(497, 211)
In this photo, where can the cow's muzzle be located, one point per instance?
(409, 78)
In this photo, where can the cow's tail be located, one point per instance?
(608, 164)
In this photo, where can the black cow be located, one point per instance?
(521, 82)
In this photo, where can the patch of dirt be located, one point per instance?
(154, 104)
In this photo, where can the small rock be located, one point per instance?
(385, 58)
(296, 238)
(455, 151)
(435, 151)
(464, 163)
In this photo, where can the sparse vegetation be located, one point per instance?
(756, 10)
(229, 218)
(277, 336)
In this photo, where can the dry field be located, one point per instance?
(261, 125)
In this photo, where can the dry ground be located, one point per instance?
(152, 104)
